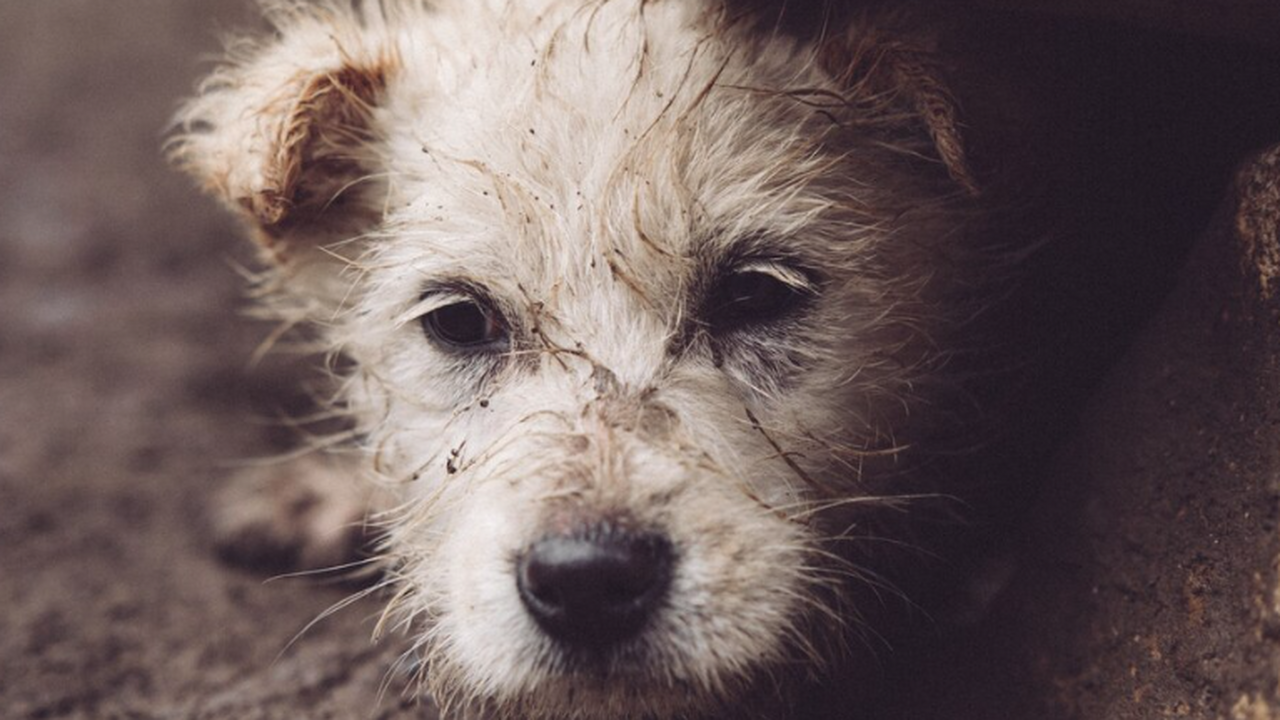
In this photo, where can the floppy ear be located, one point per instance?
(890, 70)
(281, 132)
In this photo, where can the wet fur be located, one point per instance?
(593, 168)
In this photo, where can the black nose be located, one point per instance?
(596, 588)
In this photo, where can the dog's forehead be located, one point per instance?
(623, 136)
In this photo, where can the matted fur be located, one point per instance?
(592, 167)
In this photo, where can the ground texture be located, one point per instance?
(1146, 577)
(124, 386)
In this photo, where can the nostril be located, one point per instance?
(597, 588)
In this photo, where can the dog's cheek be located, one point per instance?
(470, 583)
(741, 584)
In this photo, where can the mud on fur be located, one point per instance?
(658, 331)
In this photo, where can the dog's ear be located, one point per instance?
(281, 133)
(891, 71)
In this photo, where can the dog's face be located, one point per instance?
(643, 309)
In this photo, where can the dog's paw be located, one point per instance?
(304, 514)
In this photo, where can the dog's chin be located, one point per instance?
(582, 692)
(578, 685)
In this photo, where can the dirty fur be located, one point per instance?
(593, 174)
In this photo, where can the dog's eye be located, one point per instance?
(756, 295)
(466, 325)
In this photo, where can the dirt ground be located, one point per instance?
(1146, 582)
(124, 398)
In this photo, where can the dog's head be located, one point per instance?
(648, 311)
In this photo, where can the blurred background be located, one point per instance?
(126, 393)
(125, 397)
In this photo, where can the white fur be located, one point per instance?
(585, 162)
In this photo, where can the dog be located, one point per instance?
(658, 326)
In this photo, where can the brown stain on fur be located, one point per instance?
(330, 112)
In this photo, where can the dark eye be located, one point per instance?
(756, 296)
(466, 325)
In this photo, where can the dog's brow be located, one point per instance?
(439, 292)
(786, 274)
(431, 300)
(757, 249)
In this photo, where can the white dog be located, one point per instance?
(655, 323)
